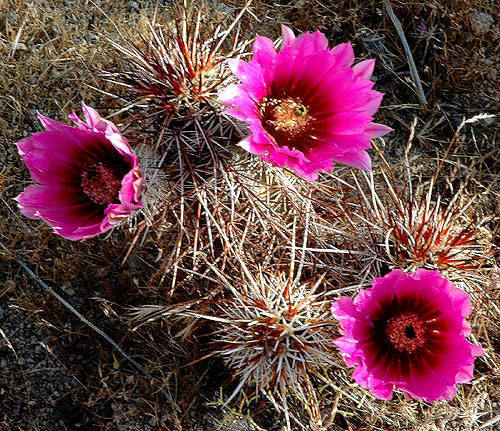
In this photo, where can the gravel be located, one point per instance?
(32, 380)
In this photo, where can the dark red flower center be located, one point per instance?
(288, 121)
(406, 332)
(101, 184)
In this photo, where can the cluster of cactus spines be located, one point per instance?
(420, 231)
(273, 331)
(169, 80)
(166, 83)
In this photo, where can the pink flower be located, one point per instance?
(408, 332)
(88, 179)
(305, 105)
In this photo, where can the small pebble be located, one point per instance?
(480, 22)
(21, 47)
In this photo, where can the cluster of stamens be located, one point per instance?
(406, 332)
(288, 120)
(100, 183)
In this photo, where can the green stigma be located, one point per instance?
(300, 111)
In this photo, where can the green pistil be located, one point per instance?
(300, 111)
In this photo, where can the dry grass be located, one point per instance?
(147, 286)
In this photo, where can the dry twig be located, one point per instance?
(409, 56)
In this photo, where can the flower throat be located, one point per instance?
(406, 332)
(100, 184)
(287, 120)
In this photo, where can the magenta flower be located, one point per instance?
(88, 179)
(305, 105)
(408, 332)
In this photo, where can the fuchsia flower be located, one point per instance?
(408, 331)
(305, 105)
(88, 179)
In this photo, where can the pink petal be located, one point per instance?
(476, 350)
(50, 124)
(37, 199)
(80, 233)
(251, 75)
(364, 378)
(359, 98)
(287, 36)
(238, 98)
(345, 123)
(346, 346)
(307, 73)
(291, 62)
(94, 120)
(344, 307)
(264, 54)
(360, 160)
(373, 103)
(47, 169)
(310, 43)
(333, 85)
(344, 55)
(375, 130)
(335, 145)
(131, 190)
(54, 142)
(364, 69)
(79, 123)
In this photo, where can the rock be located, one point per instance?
(21, 47)
(480, 22)
(67, 286)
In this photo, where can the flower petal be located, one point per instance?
(38, 200)
(375, 130)
(244, 107)
(251, 75)
(264, 54)
(360, 160)
(50, 124)
(344, 55)
(287, 36)
(364, 69)
(345, 123)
